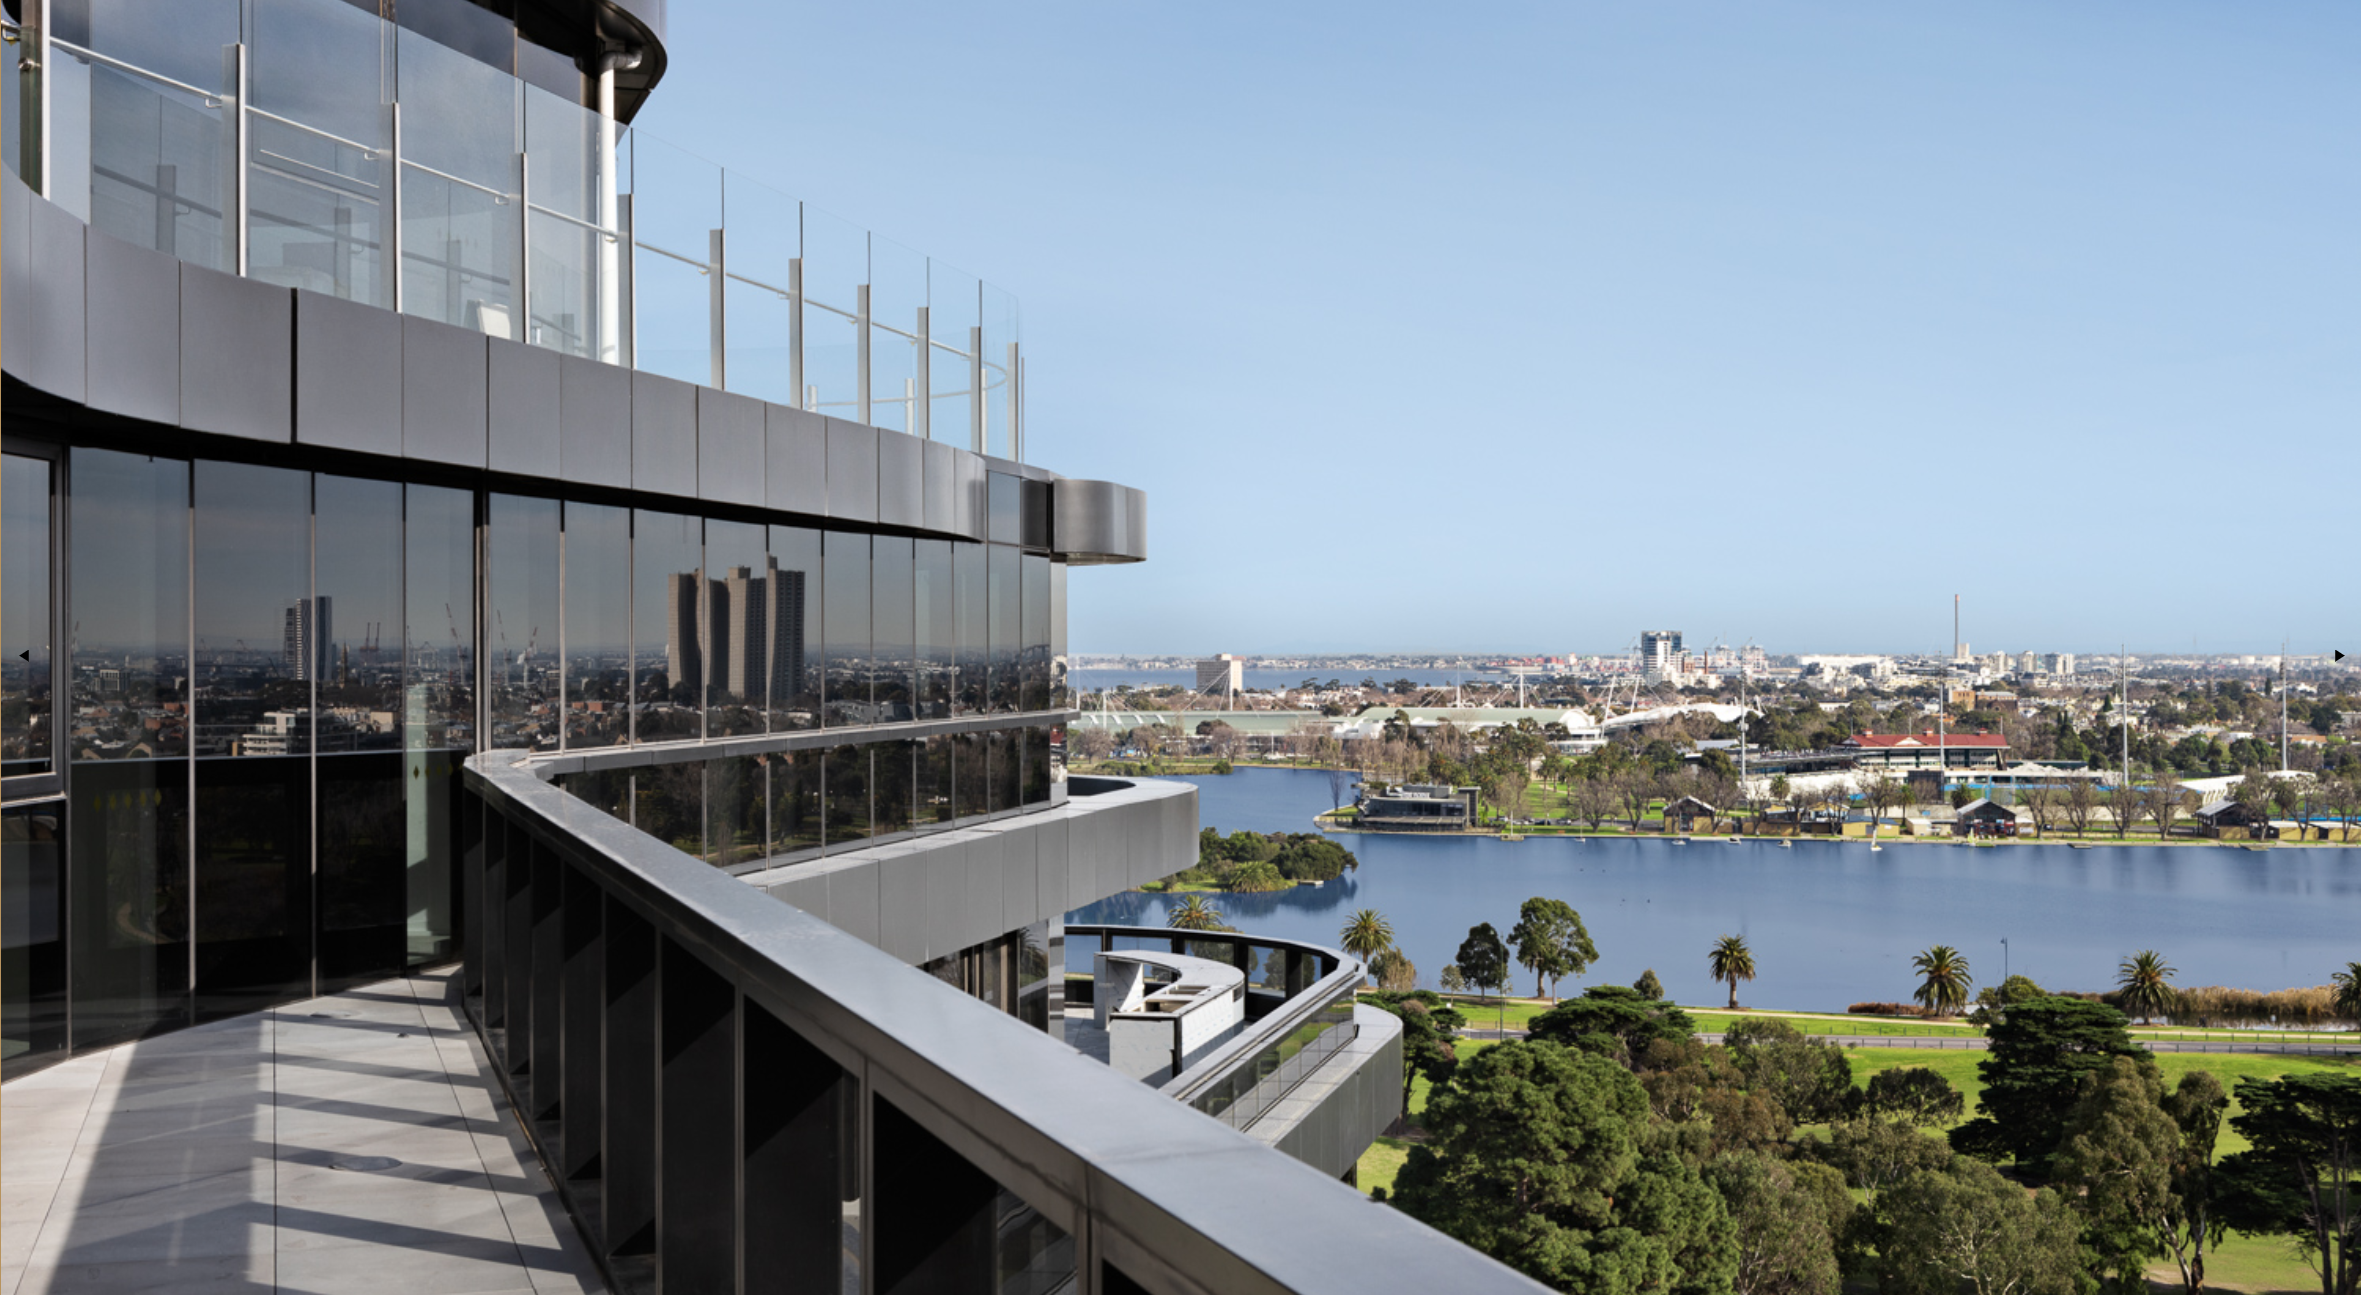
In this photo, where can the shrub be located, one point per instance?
(1888, 1009)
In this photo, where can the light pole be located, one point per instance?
(2004, 962)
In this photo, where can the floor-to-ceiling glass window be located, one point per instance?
(667, 640)
(32, 936)
(738, 590)
(438, 709)
(1004, 750)
(736, 831)
(128, 828)
(27, 719)
(972, 649)
(668, 803)
(598, 625)
(363, 832)
(971, 774)
(797, 796)
(934, 793)
(521, 623)
(1033, 647)
(261, 646)
(1005, 691)
(937, 626)
(893, 633)
(796, 652)
(1061, 689)
(847, 630)
(848, 807)
(893, 772)
(1035, 762)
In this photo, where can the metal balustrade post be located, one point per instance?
(393, 209)
(1016, 403)
(491, 905)
(718, 312)
(922, 400)
(516, 918)
(524, 249)
(37, 92)
(630, 326)
(697, 1146)
(861, 352)
(235, 211)
(977, 416)
(795, 333)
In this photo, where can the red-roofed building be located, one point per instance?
(1927, 750)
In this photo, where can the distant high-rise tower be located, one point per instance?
(1660, 651)
(684, 647)
(742, 645)
(304, 647)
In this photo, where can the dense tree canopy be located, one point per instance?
(1964, 1223)
(2301, 1176)
(1542, 1158)
(2033, 1069)
(1551, 941)
(1613, 1021)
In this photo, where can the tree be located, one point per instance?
(1993, 1001)
(1943, 984)
(2348, 991)
(1730, 960)
(1430, 1031)
(1613, 1021)
(1913, 1095)
(1966, 1223)
(2125, 804)
(2118, 1157)
(1340, 781)
(2301, 1177)
(1366, 934)
(1786, 1240)
(2041, 801)
(1452, 979)
(1194, 914)
(2033, 1068)
(1879, 793)
(1651, 988)
(1593, 800)
(2192, 1223)
(2082, 799)
(1541, 1158)
(1810, 1079)
(1255, 878)
(1393, 970)
(1633, 792)
(1483, 958)
(1875, 1154)
(1551, 941)
(2164, 799)
(2144, 985)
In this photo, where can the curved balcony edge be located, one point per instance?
(1155, 1197)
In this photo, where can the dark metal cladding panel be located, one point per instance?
(237, 356)
(901, 479)
(730, 444)
(942, 487)
(446, 393)
(1097, 521)
(663, 435)
(852, 471)
(523, 403)
(1135, 516)
(134, 330)
(45, 347)
(796, 467)
(348, 375)
(594, 422)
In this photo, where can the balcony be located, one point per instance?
(312, 145)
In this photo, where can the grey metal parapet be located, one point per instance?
(1152, 1193)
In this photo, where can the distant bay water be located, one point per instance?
(1830, 924)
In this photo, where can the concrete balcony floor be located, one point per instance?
(252, 1155)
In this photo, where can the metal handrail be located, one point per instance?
(1180, 1203)
(212, 98)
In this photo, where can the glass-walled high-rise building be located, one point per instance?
(376, 397)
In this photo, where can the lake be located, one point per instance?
(1830, 924)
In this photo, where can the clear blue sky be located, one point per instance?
(1527, 326)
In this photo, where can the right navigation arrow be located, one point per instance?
(2340, 656)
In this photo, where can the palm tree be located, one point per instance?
(1366, 934)
(1732, 961)
(1945, 984)
(2145, 983)
(1194, 914)
(2348, 991)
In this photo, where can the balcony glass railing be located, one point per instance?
(315, 145)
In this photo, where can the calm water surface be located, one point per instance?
(1830, 924)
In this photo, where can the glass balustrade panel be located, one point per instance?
(675, 207)
(953, 312)
(319, 165)
(765, 231)
(835, 268)
(897, 289)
